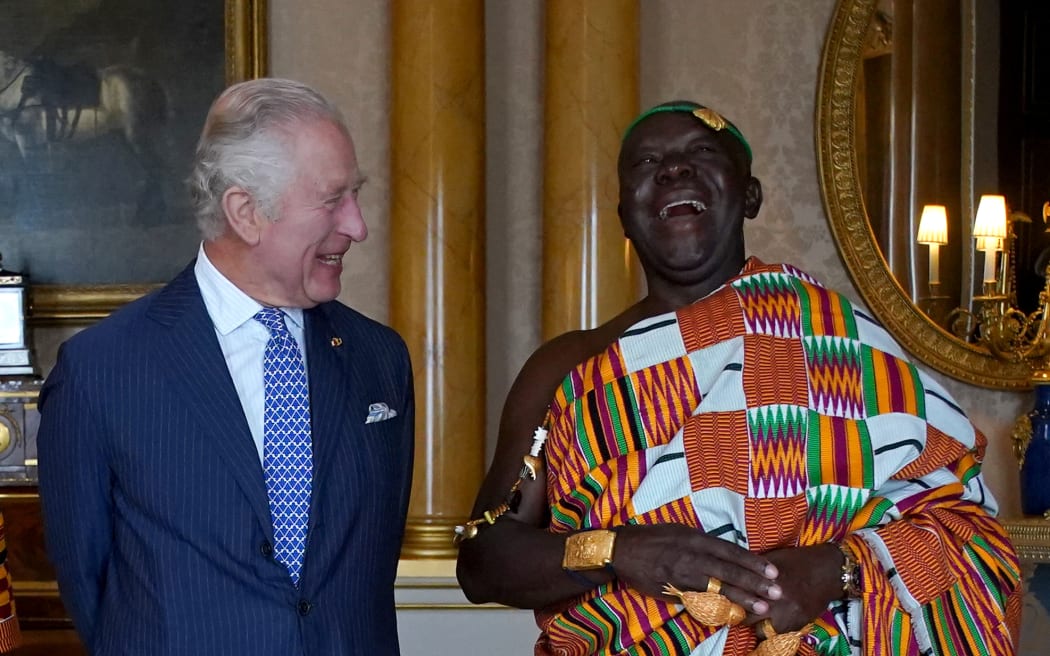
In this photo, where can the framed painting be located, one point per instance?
(101, 103)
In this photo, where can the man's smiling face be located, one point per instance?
(318, 218)
(685, 190)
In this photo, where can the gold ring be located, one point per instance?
(765, 629)
(714, 586)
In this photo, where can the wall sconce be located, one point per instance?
(933, 231)
(1013, 336)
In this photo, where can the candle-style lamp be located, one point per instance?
(990, 225)
(1014, 336)
(933, 231)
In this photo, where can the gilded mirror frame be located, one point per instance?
(848, 217)
(246, 58)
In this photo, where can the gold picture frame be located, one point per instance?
(245, 36)
(838, 169)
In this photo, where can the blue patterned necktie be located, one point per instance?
(287, 451)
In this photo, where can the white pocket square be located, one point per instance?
(379, 412)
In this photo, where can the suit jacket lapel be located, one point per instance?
(332, 396)
(193, 355)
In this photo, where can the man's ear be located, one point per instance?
(241, 214)
(752, 198)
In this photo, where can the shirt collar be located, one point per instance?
(228, 306)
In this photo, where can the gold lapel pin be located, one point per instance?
(337, 341)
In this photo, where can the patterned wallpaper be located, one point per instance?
(755, 60)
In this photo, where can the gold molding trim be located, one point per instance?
(461, 607)
(414, 568)
(79, 304)
(49, 590)
(847, 216)
(246, 39)
(35, 588)
(246, 58)
(15, 497)
(429, 538)
(1031, 537)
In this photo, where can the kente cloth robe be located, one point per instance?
(10, 633)
(773, 413)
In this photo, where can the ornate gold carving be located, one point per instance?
(711, 118)
(840, 184)
(1020, 436)
(708, 608)
(589, 550)
(1031, 538)
(781, 644)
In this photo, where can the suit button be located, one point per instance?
(305, 607)
(266, 549)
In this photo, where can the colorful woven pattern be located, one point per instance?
(10, 632)
(773, 413)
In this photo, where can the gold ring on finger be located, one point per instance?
(714, 586)
(765, 629)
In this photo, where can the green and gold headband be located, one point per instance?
(708, 116)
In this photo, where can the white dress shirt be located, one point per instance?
(242, 338)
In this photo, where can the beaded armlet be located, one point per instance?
(532, 466)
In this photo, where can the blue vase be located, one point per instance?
(1035, 472)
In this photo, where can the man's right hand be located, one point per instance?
(648, 557)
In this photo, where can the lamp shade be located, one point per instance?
(989, 244)
(933, 225)
(991, 217)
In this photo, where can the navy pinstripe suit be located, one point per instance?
(155, 504)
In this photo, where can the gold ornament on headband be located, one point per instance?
(711, 118)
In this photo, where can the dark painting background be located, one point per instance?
(95, 211)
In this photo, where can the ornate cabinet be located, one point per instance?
(45, 625)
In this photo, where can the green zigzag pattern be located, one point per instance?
(776, 421)
(835, 504)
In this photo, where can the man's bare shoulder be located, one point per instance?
(552, 361)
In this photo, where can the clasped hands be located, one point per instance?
(788, 587)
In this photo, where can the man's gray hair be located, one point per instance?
(244, 144)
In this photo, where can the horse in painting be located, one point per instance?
(43, 103)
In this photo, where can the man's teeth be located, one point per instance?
(697, 205)
(332, 259)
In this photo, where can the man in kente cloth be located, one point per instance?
(743, 461)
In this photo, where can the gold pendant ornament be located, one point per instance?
(778, 644)
(709, 608)
(531, 469)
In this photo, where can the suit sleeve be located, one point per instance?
(408, 437)
(75, 492)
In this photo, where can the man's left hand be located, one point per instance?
(810, 578)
